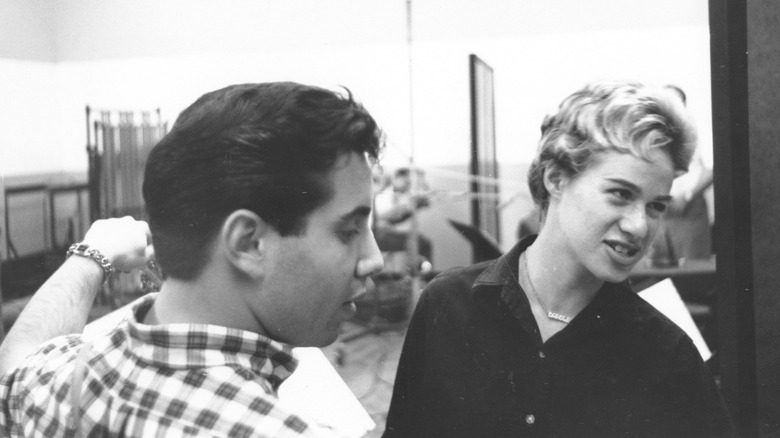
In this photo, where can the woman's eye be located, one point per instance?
(658, 207)
(621, 194)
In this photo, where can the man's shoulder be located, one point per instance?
(51, 355)
(224, 401)
(51, 366)
(227, 399)
(42, 374)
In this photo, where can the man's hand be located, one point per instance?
(61, 306)
(125, 242)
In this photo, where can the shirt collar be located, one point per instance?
(503, 268)
(179, 346)
(503, 273)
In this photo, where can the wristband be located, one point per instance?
(83, 250)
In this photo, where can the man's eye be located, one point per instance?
(348, 235)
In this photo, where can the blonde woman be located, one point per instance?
(549, 339)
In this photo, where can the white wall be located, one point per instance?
(27, 117)
(27, 29)
(165, 53)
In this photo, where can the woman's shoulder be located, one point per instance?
(641, 334)
(458, 278)
(641, 318)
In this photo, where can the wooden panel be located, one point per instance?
(745, 54)
(764, 113)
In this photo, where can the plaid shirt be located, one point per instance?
(142, 380)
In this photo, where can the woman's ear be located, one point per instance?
(554, 180)
(242, 239)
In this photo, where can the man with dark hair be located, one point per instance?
(258, 203)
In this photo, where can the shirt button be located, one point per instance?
(530, 419)
(541, 354)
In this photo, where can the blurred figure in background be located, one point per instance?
(686, 232)
(395, 206)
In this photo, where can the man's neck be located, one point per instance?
(198, 302)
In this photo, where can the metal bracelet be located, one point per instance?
(83, 250)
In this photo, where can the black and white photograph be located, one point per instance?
(389, 218)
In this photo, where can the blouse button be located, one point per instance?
(530, 419)
(541, 354)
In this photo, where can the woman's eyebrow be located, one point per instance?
(635, 188)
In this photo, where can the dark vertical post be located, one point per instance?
(763, 37)
(745, 56)
(93, 172)
(474, 169)
(3, 248)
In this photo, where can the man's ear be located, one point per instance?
(243, 241)
(555, 180)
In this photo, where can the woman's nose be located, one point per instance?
(634, 222)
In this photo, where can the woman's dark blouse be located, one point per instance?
(474, 365)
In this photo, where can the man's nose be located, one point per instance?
(371, 261)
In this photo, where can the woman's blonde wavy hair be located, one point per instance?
(626, 117)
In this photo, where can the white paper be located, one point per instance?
(664, 297)
(316, 390)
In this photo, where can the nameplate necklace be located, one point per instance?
(550, 314)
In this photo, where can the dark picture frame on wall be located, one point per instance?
(484, 166)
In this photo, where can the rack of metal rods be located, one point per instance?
(118, 143)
